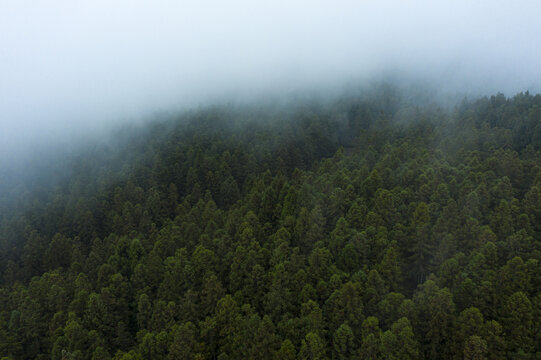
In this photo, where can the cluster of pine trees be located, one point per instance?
(365, 228)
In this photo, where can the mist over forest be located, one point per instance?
(72, 69)
(270, 180)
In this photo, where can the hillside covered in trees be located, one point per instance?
(359, 228)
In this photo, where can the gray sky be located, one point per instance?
(72, 67)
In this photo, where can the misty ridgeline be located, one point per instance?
(353, 227)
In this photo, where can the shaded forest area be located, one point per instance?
(365, 228)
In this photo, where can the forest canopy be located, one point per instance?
(360, 228)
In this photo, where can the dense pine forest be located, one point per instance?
(366, 227)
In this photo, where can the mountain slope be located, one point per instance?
(372, 228)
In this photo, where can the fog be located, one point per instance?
(73, 68)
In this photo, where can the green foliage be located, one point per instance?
(354, 229)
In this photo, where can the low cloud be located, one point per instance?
(69, 68)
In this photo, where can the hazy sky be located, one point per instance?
(70, 67)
